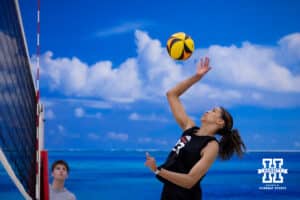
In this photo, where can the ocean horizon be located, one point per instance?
(120, 174)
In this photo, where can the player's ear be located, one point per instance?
(220, 122)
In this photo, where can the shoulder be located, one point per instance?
(71, 196)
(213, 144)
(212, 148)
(190, 130)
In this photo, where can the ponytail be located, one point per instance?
(231, 143)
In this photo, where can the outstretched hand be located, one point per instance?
(150, 162)
(203, 66)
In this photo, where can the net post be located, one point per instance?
(39, 113)
(44, 176)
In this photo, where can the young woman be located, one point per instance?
(197, 148)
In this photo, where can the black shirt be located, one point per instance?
(184, 155)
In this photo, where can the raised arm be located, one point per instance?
(173, 95)
(209, 154)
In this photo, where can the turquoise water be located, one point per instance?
(122, 175)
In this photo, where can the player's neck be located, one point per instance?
(206, 130)
(58, 184)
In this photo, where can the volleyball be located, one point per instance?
(180, 46)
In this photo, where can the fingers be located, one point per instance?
(150, 162)
(206, 63)
(147, 155)
(148, 159)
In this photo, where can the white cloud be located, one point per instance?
(120, 84)
(290, 46)
(251, 66)
(96, 104)
(250, 74)
(137, 117)
(159, 71)
(79, 112)
(134, 116)
(75, 78)
(258, 137)
(144, 140)
(74, 136)
(161, 142)
(117, 136)
(49, 114)
(93, 136)
(256, 96)
(47, 103)
(122, 28)
(98, 115)
(90, 103)
(297, 143)
(61, 128)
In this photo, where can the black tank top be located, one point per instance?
(184, 155)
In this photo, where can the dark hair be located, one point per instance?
(231, 141)
(60, 162)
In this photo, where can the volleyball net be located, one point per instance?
(21, 113)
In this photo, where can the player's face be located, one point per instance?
(60, 172)
(212, 116)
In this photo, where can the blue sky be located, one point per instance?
(105, 70)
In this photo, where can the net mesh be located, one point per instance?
(17, 99)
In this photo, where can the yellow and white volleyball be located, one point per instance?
(180, 46)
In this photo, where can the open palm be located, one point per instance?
(203, 66)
